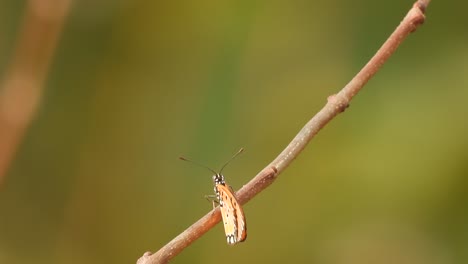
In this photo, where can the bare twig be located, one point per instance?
(336, 104)
(23, 82)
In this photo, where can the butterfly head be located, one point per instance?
(218, 178)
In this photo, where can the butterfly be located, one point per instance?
(235, 226)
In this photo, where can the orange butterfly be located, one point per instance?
(235, 226)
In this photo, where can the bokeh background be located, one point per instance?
(135, 84)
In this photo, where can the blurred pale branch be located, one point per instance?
(336, 104)
(23, 81)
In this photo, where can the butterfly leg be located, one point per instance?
(212, 198)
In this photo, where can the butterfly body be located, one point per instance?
(235, 226)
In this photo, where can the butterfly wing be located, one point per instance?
(233, 216)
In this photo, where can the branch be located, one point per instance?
(336, 104)
(23, 81)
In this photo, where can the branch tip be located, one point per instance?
(422, 5)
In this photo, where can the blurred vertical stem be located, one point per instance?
(23, 81)
(336, 104)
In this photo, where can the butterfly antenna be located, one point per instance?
(233, 157)
(199, 164)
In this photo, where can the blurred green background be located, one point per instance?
(135, 84)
